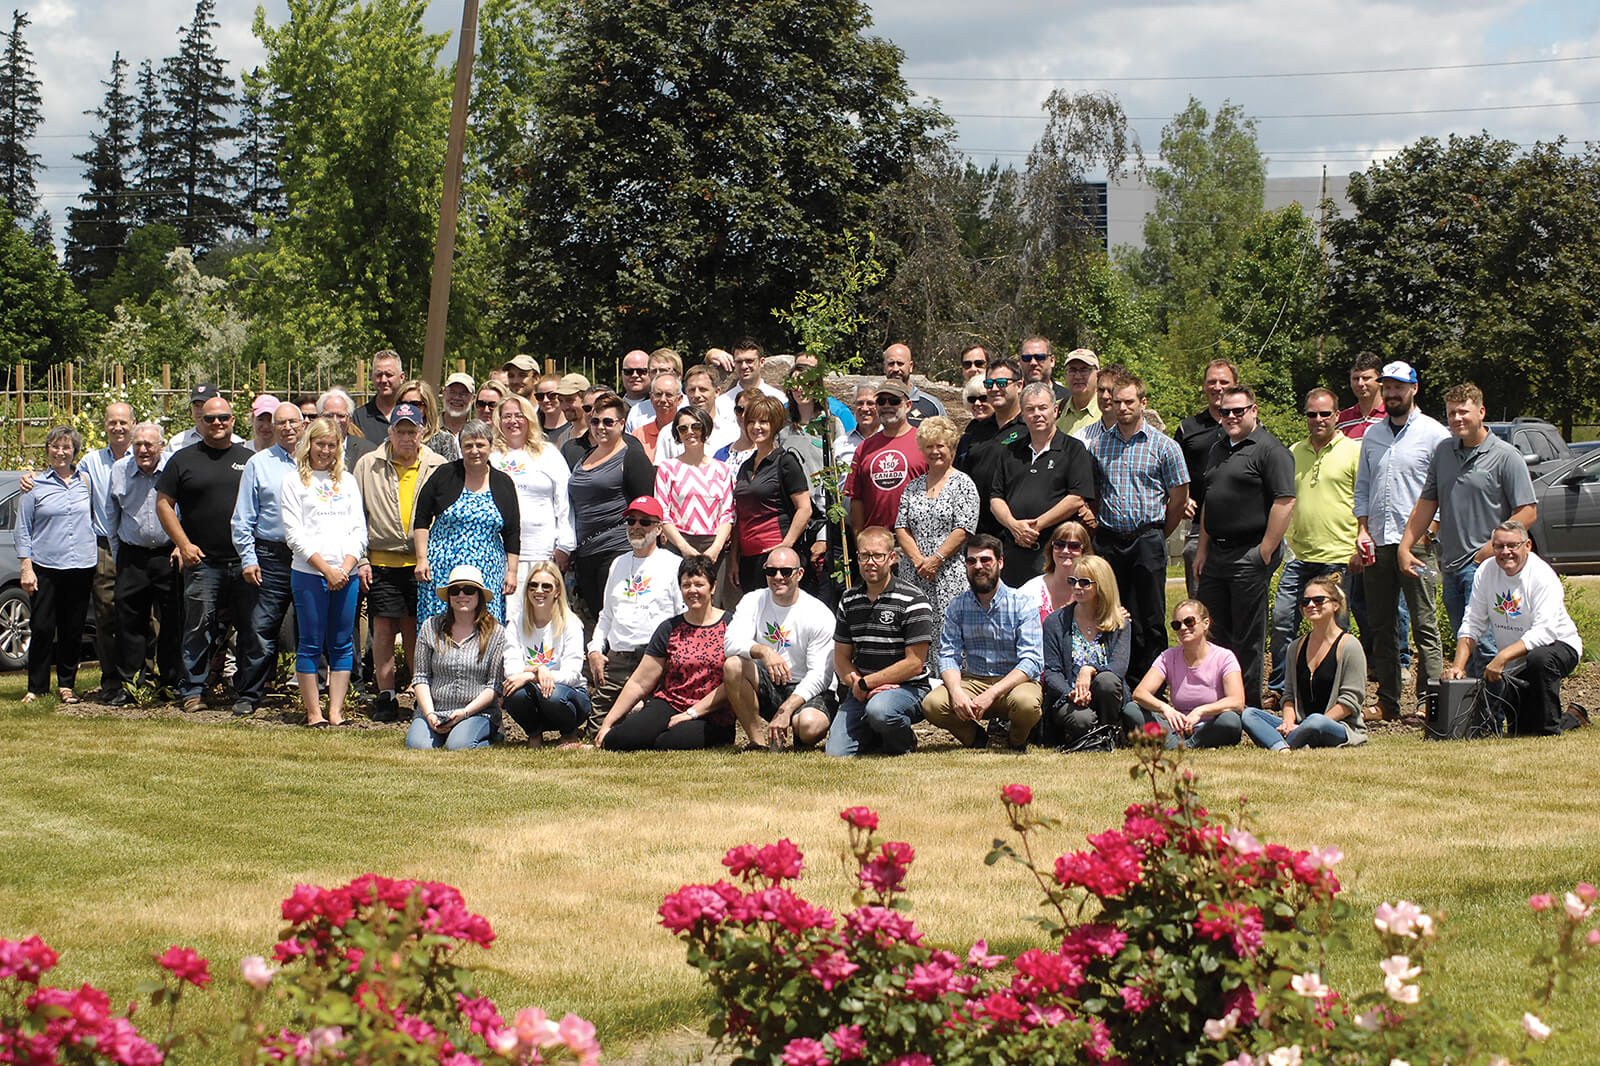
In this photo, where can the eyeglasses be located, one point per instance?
(889, 401)
(1313, 601)
(1067, 545)
(1081, 582)
(214, 419)
(1236, 412)
(643, 523)
(968, 364)
(541, 586)
(874, 557)
(1180, 624)
(463, 590)
(545, 395)
(780, 571)
(1502, 547)
(997, 383)
(1319, 414)
(608, 422)
(1034, 357)
(981, 560)
(636, 370)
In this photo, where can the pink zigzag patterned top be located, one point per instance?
(696, 499)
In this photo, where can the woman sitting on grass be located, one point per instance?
(460, 661)
(1086, 647)
(545, 688)
(674, 700)
(1326, 676)
(1205, 688)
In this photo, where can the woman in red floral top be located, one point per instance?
(674, 700)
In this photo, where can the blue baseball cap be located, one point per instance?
(406, 412)
(1399, 371)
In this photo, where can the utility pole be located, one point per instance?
(450, 202)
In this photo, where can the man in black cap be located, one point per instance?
(197, 400)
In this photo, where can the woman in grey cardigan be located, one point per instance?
(1325, 681)
(1086, 645)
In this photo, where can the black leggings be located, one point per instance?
(646, 730)
(59, 608)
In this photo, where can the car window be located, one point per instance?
(8, 512)
(1591, 470)
(1503, 432)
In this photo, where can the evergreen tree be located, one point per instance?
(150, 120)
(21, 115)
(43, 233)
(259, 193)
(97, 233)
(191, 171)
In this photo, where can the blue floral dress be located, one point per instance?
(467, 533)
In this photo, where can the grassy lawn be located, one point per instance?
(122, 837)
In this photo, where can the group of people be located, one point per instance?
(651, 567)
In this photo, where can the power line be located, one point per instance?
(1344, 114)
(1247, 77)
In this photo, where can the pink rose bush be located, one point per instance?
(1178, 937)
(372, 972)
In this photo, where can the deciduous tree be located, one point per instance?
(43, 320)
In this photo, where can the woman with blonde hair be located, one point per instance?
(938, 512)
(325, 526)
(1205, 688)
(521, 452)
(1067, 544)
(545, 690)
(1086, 648)
(1324, 683)
(426, 397)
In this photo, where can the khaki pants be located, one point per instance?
(1021, 706)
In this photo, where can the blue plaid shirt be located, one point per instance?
(1135, 476)
(993, 642)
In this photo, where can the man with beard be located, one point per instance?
(459, 389)
(1195, 436)
(641, 592)
(520, 371)
(1396, 456)
(885, 462)
(1045, 478)
(985, 441)
(991, 652)
(897, 366)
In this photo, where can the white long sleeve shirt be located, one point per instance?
(1528, 606)
(323, 519)
(560, 653)
(802, 633)
(640, 595)
(542, 500)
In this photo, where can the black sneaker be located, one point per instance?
(242, 709)
(386, 708)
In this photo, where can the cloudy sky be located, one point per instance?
(1324, 79)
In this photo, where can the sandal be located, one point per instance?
(66, 695)
(29, 697)
(316, 725)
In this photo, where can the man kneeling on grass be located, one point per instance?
(991, 651)
(780, 667)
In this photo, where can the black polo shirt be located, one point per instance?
(1063, 396)
(1031, 486)
(204, 484)
(1195, 437)
(373, 422)
(763, 500)
(985, 460)
(1242, 481)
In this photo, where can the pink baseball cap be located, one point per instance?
(264, 405)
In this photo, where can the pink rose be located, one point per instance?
(1017, 795)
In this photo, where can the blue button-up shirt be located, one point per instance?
(132, 506)
(96, 467)
(258, 513)
(1136, 474)
(1391, 472)
(992, 641)
(55, 529)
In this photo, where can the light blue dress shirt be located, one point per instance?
(992, 642)
(54, 528)
(258, 513)
(1391, 472)
(132, 507)
(96, 467)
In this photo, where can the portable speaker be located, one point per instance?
(1451, 705)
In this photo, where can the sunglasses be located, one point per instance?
(463, 590)
(738, 411)
(982, 560)
(1180, 624)
(968, 364)
(889, 401)
(973, 401)
(636, 370)
(1034, 357)
(1319, 414)
(687, 427)
(214, 419)
(643, 523)
(1067, 545)
(541, 586)
(486, 403)
(608, 422)
(997, 383)
(587, 407)
(780, 571)
(1313, 601)
(1081, 582)
(1236, 412)
(545, 395)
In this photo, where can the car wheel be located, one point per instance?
(16, 627)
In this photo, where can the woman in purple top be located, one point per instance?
(1205, 688)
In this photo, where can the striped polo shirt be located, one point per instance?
(879, 630)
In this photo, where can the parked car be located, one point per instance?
(16, 609)
(1539, 443)
(1567, 532)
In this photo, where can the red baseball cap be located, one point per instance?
(647, 505)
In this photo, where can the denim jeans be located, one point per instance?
(1223, 731)
(207, 588)
(1457, 592)
(258, 631)
(882, 724)
(563, 711)
(1286, 610)
(1315, 731)
(1234, 587)
(472, 733)
(327, 622)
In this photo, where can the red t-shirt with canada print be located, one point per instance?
(879, 473)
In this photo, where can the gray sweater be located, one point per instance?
(456, 673)
(1349, 686)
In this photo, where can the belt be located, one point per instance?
(162, 548)
(1133, 533)
(1229, 544)
(276, 547)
